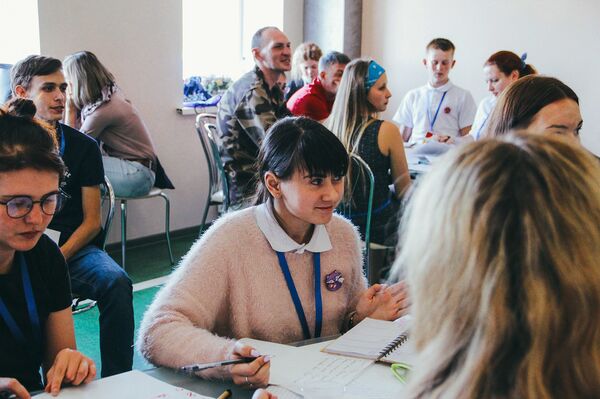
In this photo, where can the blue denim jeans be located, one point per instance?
(95, 275)
(128, 178)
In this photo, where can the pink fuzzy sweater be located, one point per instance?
(230, 286)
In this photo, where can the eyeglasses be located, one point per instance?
(21, 206)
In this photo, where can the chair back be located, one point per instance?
(206, 128)
(361, 179)
(108, 202)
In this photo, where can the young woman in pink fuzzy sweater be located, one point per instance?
(231, 284)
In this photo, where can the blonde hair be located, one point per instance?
(501, 250)
(304, 52)
(87, 76)
(351, 111)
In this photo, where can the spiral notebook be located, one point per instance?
(379, 340)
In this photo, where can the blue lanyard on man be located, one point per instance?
(432, 121)
(294, 294)
(31, 310)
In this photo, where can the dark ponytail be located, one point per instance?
(507, 62)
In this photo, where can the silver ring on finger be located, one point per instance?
(247, 382)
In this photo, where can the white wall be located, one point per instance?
(324, 24)
(560, 36)
(293, 10)
(140, 41)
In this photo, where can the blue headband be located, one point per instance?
(523, 63)
(375, 71)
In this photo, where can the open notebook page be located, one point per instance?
(375, 382)
(297, 368)
(367, 339)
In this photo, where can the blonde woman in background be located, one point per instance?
(362, 95)
(305, 67)
(96, 106)
(505, 276)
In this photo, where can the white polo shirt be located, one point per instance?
(482, 117)
(418, 109)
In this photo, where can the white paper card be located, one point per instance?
(133, 384)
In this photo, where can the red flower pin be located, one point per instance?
(447, 110)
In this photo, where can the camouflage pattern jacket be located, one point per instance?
(245, 113)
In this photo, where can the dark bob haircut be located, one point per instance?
(299, 143)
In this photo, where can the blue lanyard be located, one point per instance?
(61, 149)
(31, 310)
(294, 294)
(432, 121)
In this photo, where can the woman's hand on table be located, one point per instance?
(382, 302)
(72, 367)
(12, 386)
(254, 374)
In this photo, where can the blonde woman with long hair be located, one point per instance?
(362, 95)
(96, 106)
(505, 277)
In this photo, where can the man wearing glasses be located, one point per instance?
(94, 274)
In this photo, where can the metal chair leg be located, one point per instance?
(168, 225)
(205, 215)
(123, 231)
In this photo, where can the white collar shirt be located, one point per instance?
(280, 241)
(482, 117)
(419, 106)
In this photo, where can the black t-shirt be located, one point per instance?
(50, 284)
(84, 169)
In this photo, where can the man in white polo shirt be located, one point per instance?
(439, 110)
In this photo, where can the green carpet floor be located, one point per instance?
(86, 328)
(144, 262)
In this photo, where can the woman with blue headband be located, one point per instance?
(362, 94)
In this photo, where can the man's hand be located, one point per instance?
(70, 366)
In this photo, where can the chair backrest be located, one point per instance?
(362, 179)
(108, 202)
(207, 132)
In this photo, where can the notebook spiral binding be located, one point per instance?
(392, 346)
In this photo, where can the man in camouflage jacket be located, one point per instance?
(247, 110)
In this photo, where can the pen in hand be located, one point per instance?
(192, 368)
